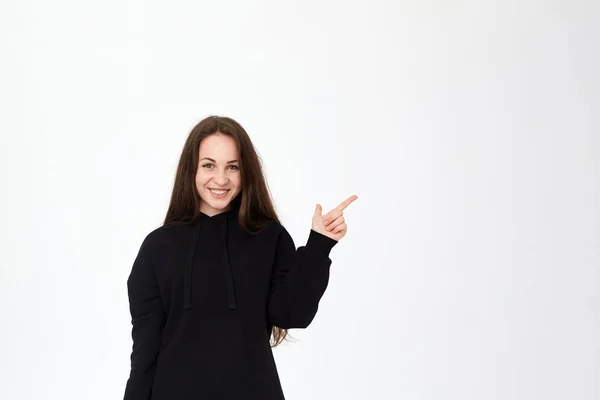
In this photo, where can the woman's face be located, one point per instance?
(218, 169)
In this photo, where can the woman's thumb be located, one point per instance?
(318, 210)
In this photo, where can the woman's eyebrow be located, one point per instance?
(210, 159)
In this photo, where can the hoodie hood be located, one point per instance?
(224, 219)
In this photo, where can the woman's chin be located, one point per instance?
(219, 205)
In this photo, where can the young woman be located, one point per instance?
(210, 287)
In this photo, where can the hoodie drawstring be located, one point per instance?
(187, 300)
(227, 265)
(187, 304)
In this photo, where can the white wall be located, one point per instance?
(470, 131)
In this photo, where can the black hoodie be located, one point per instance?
(203, 299)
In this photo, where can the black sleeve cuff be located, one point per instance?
(320, 243)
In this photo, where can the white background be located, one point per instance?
(470, 131)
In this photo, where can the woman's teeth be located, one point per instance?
(218, 193)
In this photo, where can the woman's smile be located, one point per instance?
(218, 194)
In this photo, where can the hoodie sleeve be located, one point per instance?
(147, 319)
(299, 279)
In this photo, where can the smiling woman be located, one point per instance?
(218, 181)
(222, 277)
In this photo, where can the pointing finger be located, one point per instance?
(347, 202)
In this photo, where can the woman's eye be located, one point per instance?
(234, 167)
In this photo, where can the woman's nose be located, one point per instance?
(221, 178)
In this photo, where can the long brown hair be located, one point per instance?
(255, 204)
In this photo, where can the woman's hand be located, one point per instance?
(332, 224)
